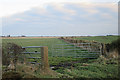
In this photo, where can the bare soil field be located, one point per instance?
(24, 37)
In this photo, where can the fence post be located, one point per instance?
(104, 49)
(44, 56)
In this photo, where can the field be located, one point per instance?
(102, 39)
(69, 67)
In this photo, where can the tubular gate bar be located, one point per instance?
(44, 55)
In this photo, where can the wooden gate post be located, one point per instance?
(103, 49)
(44, 56)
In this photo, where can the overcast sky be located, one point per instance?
(59, 17)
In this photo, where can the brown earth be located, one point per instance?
(24, 37)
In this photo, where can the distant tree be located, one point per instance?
(2, 36)
(109, 35)
(62, 37)
(23, 36)
(8, 35)
(72, 37)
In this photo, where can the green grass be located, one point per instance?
(101, 39)
(35, 42)
(95, 68)
(52, 47)
(50, 42)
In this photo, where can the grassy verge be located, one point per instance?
(98, 68)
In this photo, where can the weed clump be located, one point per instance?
(11, 51)
(12, 74)
(113, 49)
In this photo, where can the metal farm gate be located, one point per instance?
(33, 53)
(77, 50)
(37, 55)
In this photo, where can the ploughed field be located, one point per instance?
(72, 67)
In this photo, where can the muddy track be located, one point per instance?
(67, 64)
